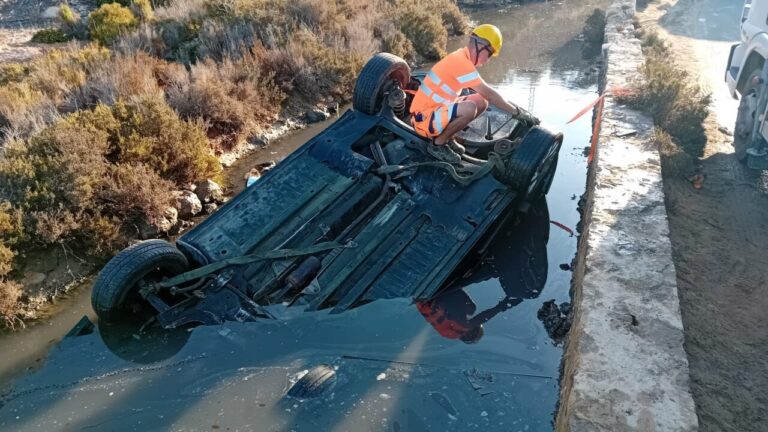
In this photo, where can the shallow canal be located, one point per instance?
(394, 371)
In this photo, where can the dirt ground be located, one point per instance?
(719, 233)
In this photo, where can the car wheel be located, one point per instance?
(381, 71)
(116, 290)
(531, 167)
(315, 382)
(745, 117)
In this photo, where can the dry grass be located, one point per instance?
(675, 101)
(10, 292)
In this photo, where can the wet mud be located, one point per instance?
(392, 369)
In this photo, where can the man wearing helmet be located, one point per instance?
(438, 111)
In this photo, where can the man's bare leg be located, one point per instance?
(466, 111)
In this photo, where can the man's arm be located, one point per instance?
(492, 96)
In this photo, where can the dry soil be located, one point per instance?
(719, 233)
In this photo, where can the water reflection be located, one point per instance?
(517, 259)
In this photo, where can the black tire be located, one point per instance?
(745, 117)
(116, 289)
(532, 166)
(317, 381)
(375, 78)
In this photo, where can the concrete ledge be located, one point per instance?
(625, 368)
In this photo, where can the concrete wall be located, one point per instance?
(625, 368)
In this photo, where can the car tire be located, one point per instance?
(745, 117)
(531, 167)
(116, 290)
(315, 382)
(375, 78)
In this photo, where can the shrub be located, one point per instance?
(234, 98)
(151, 133)
(50, 35)
(674, 160)
(109, 21)
(67, 15)
(10, 292)
(13, 72)
(672, 97)
(424, 29)
(143, 9)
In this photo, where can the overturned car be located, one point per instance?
(358, 213)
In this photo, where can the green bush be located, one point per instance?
(425, 30)
(13, 72)
(89, 179)
(143, 8)
(67, 15)
(50, 35)
(109, 21)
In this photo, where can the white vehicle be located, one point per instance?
(747, 77)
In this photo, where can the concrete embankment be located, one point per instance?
(625, 368)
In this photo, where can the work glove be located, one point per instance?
(527, 117)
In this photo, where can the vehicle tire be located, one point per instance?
(745, 117)
(375, 79)
(315, 382)
(116, 289)
(531, 167)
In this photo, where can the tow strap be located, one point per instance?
(252, 258)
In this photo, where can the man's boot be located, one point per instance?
(443, 153)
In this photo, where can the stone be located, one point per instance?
(210, 208)
(209, 191)
(188, 204)
(316, 116)
(164, 224)
(33, 279)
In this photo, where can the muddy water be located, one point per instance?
(394, 370)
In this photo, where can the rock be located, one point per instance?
(556, 320)
(164, 224)
(316, 115)
(188, 204)
(333, 107)
(50, 13)
(259, 140)
(725, 130)
(210, 208)
(209, 191)
(33, 279)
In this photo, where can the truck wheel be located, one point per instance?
(116, 290)
(531, 167)
(381, 72)
(745, 117)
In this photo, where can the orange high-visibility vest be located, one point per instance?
(436, 317)
(440, 90)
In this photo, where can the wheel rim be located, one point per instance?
(745, 122)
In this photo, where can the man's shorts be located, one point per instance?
(431, 124)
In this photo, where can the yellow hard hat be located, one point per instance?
(492, 34)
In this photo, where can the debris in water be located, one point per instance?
(565, 267)
(556, 320)
(385, 396)
(484, 414)
(444, 402)
(381, 376)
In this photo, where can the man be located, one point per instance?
(451, 315)
(438, 111)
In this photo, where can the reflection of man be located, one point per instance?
(450, 314)
(517, 259)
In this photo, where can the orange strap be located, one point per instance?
(600, 102)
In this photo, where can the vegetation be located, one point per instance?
(109, 21)
(96, 137)
(677, 104)
(51, 35)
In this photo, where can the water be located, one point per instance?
(395, 371)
